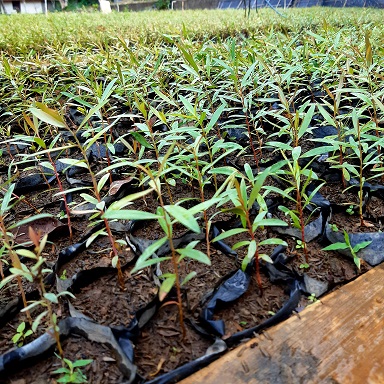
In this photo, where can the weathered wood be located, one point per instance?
(339, 339)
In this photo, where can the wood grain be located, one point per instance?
(339, 339)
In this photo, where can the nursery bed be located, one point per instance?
(250, 165)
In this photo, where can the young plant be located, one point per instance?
(298, 179)
(243, 203)
(51, 117)
(347, 245)
(363, 145)
(72, 372)
(35, 274)
(167, 216)
(21, 334)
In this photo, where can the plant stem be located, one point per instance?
(16, 264)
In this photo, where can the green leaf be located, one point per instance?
(74, 162)
(6, 199)
(361, 245)
(148, 253)
(114, 261)
(48, 115)
(51, 297)
(61, 370)
(81, 363)
(140, 139)
(296, 152)
(326, 115)
(148, 263)
(240, 244)
(26, 253)
(231, 232)
(40, 142)
(194, 254)
(189, 277)
(319, 151)
(38, 320)
(102, 182)
(89, 198)
(21, 327)
(30, 219)
(270, 222)
(203, 206)
(266, 258)
(335, 247)
(357, 261)
(166, 286)
(250, 254)
(260, 179)
(183, 216)
(16, 338)
(127, 214)
(188, 106)
(272, 241)
(127, 200)
(306, 121)
(188, 57)
(215, 117)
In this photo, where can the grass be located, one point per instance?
(21, 33)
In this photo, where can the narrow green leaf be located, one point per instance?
(266, 258)
(250, 254)
(272, 241)
(129, 214)
(189, 277)
(335, 247)
(231, 232)
(148, 263)
(194, 254)
(102, 182)
(184, 217)
(148, 253)
(6, 199)
(81, 363)
(166, 286)
(38, 320)
(140, 139)
(48, 115)
(51, 297)
(127, 200)
(306, 121)
(361, 245)
(296, 152)
(30, 219)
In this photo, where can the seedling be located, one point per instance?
(243, 202)
(298, 179)
(347, 245)
(21, 334)
(304, 266)
(72, 372)
(350, 210)
(334, 227)
(312, 298)
(63, 275)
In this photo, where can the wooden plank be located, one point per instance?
(339, 339)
